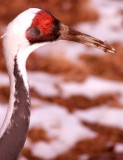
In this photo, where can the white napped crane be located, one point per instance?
(31, 29)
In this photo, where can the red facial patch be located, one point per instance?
(44, 22)
(44, 28)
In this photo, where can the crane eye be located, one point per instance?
(33, 32)
(47, 23)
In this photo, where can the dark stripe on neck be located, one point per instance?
(14, 137)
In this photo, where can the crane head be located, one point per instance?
(46, 28)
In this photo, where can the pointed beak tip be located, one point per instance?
(112, 50)
(109, 48)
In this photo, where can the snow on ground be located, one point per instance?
(4, 79)
(84, 157)
(44, 83)
(22, 158)
(91, 87)
(118, 148)
(110, 25)
(64, 128)
(102, 115)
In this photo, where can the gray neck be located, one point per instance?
(13, 139)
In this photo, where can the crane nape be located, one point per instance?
(31, 29)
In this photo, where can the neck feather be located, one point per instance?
(15, 126)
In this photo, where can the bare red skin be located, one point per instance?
(43, 21)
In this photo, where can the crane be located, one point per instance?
(31, 29)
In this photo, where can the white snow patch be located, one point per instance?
(4, 79)
(105, 30)
(102, 115)
(118, 148)
(109, 27)
(44, 83)
(84, 157)
(22, 158)
(91, 87)
(64, 128)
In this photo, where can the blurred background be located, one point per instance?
(76, 91)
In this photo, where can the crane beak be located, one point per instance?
(67, 33)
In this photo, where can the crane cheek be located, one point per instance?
(33, 34)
